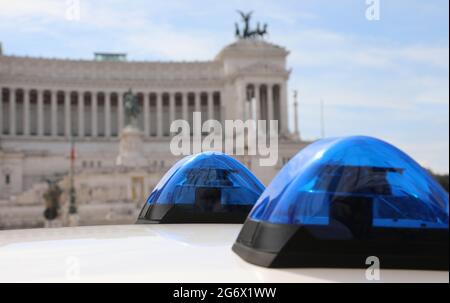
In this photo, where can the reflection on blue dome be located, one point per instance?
(343, 199)
(377, 182)
(206, 183)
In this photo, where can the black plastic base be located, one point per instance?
(279, 245)
(187, 213)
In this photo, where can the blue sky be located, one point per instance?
(386, 78)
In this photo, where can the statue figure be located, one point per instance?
(131, 153)
(132, 109)
(237, 32)
(262, 32)
(246, 20)
(52, 200)
(246, 33)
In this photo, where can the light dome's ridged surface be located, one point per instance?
(205, 184)
(330, 171)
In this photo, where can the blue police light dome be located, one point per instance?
(341, 200)
(209, 187)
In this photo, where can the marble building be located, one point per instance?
(45, 104)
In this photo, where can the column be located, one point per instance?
(256, 103)
(197, 101)
(171, 107)
(210, 105)
(94, 118)
(270, 104)
(242, 110)
(26, 112)
(184, 106)
(159, 114)
(197, 108)
(40, 112)
(67, 114)
(296, 128)
(283, 109)
(54, 112)
(222, 111)
(107, 114)
(120, 110)
(146, 114)
(1, 111)
(270, 101)
(12, 112)
(80, 98)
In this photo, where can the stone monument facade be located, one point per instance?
(45, 104)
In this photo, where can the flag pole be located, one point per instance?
(73, 211)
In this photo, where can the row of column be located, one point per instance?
(212, 105)
(264, 101)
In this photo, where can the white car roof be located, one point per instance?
(156, 253)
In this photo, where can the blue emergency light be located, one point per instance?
(341, 200)
(209, 187)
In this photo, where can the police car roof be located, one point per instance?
(156, 253)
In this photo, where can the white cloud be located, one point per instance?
(144, 36)
(30, 8)
(433, 56)
(319, 49)
(169, 44)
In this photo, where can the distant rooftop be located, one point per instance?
(110, 57)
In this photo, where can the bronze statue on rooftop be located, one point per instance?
(246, 32)
(132, 108)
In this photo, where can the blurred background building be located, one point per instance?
(56, 111)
